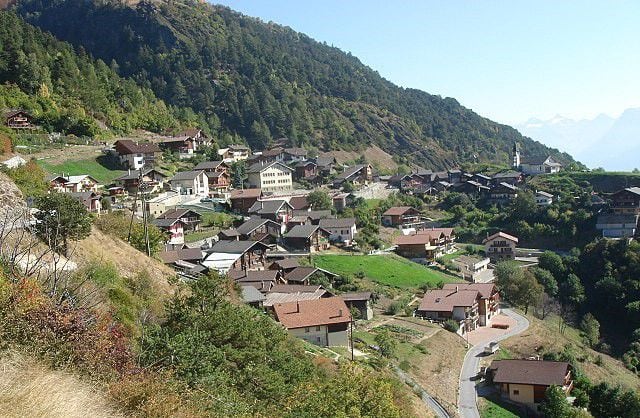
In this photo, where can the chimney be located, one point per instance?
(456, 289)
(297, 306)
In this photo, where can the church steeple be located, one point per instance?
(516, 155)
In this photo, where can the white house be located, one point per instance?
(234, 153)
(270, 177)
(341, 230)
(136, 155)
(193, 182)
(543, 198)
(539, 164)
(617, 225)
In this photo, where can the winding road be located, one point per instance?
(467, 396)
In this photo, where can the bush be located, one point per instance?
(451, 325)
(404, 365)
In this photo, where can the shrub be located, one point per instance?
(451, 325)
(404, 365)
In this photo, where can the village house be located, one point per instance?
(543, 198)
(286, 293)
(137, 155)
(488, 302)
(399, 216)
(306, 238)
(191, 219)
(184, 146)
(314, 215)
(230, 234)
(162, 203)
(427, 244)
(626, 201)
(18, 119)
(510, 177)
(341, 200)
(454, 304)
(539, 164)
(526, 381)
(341, 230)
(243, 200)
(270, 177)
(500, 246)
(324, 322)
(360, 301)
(252, 296)
(239, 255)
(277, 210)
(299, 203)
(152, 181)
(472, 187)
(481, 179)
(191, 183)
(234, 153)
(472, 268)
(302, 275)
(617, 226)
(357, 175)
(294, 155)
(306, 170)
(73, 184)
(262, 280)
(285, 265)
(503, 193)
(260, 229)
(184, 260)
(174, 229)
(90, 200)
(326, 165)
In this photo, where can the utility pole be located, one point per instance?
(351, 324)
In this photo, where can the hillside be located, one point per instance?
(264, 81)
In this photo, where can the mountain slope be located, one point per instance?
(599, 142)
(264, 81)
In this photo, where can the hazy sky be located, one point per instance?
(508, 60)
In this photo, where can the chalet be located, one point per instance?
(151, 180)
(137, 155)
(263, 280)
(341, 230)
(213, 167)
(185, 260)
(426, 244)
(361, 301)
(240, 255)
(471, 268)
(314, 215)
(489, 299)
(277, 210)
(500, 246)
(90, 200)
(543, 198)
(326, 165)
(302, 275)
(471, 187)
(243, 200)
(74, 184)
(306, 170)
(260, 229)
(503, 193)
(174, 229)
(252, 296)
(18, 119)
(234, 153)
(299, 203)
(626, 201)
(511, 177)
(455, 304)
(416, 183)
(358, 175)
(270, 177)
(526, 381)
(184, 146)
(480, 178)
(341, 201)
(307, 238)
(455, 176)
(191, 183)
(230, 234)
(191, 219)
(285, 265)
(294, 155)
(616, 226)
(399, 216)
(301, 288)
(324, 322)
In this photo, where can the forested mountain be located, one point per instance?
(68, 91)
(263, 81)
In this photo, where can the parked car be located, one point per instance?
(491, 348)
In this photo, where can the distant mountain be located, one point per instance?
(612, 143)
(261, 81)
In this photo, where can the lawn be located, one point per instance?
(492, 409)
(198, 235)
(100, 172)
(389, 270)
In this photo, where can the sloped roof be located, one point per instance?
(311, 313)
(260, 166)
(245, 193)
(484, 289)
(314, 214)
(296, 288)
(130, 147)
(251, 295)
(507, 175)
(233, 247)
(208, 165)
(530, 372)
(337, 223)
(500, 235)
(299, 202)
(252, 224)
(299, 274)
(534, 159)
(267, 207)
(350, 171)
(287, 263)
(545, 194)
(177, 213)
(398, 210)
(187, 175)
(444, 300)
(355, 296)
(169, 257)
(302, 231)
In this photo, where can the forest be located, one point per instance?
(239, 76)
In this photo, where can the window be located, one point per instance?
(306, 329)
(516, 392)
(317, 328)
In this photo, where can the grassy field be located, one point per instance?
(389, 270)
(494, 410)
(92, 166)
(198, 235)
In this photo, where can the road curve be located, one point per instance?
(428, 400)
(467, 396)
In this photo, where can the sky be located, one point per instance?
(508, 60)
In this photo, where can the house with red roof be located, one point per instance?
(500, 246)
(324, 322)
(457, 304)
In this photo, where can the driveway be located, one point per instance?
(467, 402)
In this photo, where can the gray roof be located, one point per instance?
(262, 207)
(534, 159)
(287, 263)
(299, 274)
(252, 224)
(208, 165)
(611, 218)
(164, 223)
(314, 214)
(337, 223)
(134, 174)
(350, 171)
(302, 231)
(251, 295)
(353, 296)
(187, 175)
(507, 175)
(232, 247)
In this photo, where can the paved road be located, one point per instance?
(467, 402)
(428, 400)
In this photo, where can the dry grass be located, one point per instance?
(28, 389)
(374, 154)
(543, 336)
